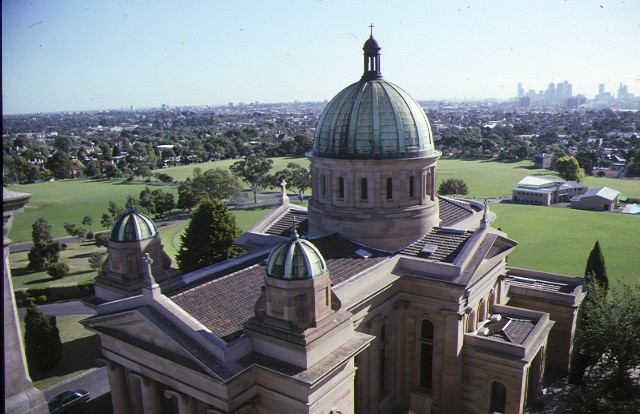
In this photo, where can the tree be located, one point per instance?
(106, 221)
(96, 260)
(296, 177)
(209, 237)
(60, 165)
(253, 169)
(70, 228)
(610, 342)
(115, 209)
(43, 347)
(216, 184)
(156, 201)
(102, 239)
(569, 169)
(93, 169)
(87, 221)
(453, 186)
(596, 270)
(44, 250)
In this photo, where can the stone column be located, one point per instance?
(150, 393)
(186, 404)
(119, 387)
(20, 396)
(151, 402)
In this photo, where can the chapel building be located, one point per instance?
(382, 297)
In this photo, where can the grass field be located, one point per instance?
(76, 256)
(559, 240)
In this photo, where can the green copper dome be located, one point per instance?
(373, 119)
(133, 226)
(295, 259)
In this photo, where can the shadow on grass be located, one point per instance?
(80, 256)
(37, 281)
(21, 271)
(77, 355)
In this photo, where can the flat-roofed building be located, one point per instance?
(543, 191)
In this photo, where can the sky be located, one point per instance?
(67, 55)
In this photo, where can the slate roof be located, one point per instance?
(447, 243)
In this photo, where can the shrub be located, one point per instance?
(102, 239)
(58, 270)
(41, 299)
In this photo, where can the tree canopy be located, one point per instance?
(569, 169)
(216, 184)
(596, 270)
(453, 186)
(296, 177)
(209, 237)
(253, 170)
(43, 347)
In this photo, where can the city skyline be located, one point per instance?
(75, 55)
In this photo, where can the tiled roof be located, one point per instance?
(453, 211)
(283, 225)
(444, 243)
(541, 284)
(224, 304)
(340, 255)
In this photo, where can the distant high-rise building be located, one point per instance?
(520, 90)
(525, 102)
(230, 104)
(601, 89)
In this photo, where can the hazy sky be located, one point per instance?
(97, 54)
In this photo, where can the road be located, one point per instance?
(95, 380)
(66, 308)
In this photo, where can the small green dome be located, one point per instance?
(295, 259)
(133, 226)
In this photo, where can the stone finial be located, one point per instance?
(483, 222)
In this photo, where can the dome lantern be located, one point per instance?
(133, 226)
(295, 259)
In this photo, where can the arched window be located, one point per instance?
(383, 359)
(411, 187)
(364, 190)
(323, 184)
(389, 188)
(340, 187)
(498, 399)
(426, 354)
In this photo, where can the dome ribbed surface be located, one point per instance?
(133, 226)
(373, 119)
(295, 259)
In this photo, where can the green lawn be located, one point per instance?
(76, 256)
(559, 240)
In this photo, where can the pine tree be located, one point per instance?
(209, 237)
(43, 347)
(596, 270)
